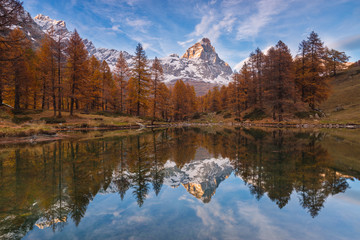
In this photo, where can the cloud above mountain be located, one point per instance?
(235, 27)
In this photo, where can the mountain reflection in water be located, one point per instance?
(44, 185)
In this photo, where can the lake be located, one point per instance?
(184, 183)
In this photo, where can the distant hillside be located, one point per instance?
(344, 102)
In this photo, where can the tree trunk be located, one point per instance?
(59, 83)
(121, 95)
(35, 99)
(71, 106)
(72, 98)
(154, 106)
(43, 94)
(138, 100)
(17, 91)
(54, 96)
(1, 90)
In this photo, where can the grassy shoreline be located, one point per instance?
(41, 126)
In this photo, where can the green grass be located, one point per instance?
(256, 114)
(343, 105)
(53, 120)
(19, 120)
(32, 122)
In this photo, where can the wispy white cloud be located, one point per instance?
(265, 13)
(139, 24)
(245, 18)
(116, 28)
(235, 27)
(240, 64)
(138, 219)
(245, 221)
(347, 43)
(235, 20)
(266, 229)
(185, 43)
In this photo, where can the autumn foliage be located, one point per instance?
(61, 76)
(277, 83)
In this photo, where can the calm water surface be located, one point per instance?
(184, 184)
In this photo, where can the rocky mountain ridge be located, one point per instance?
(200, 65)
(31, 29)
(200, 177)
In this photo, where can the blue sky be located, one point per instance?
(235, 27)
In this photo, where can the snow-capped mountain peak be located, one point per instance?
(109, 55)
(202, 49)
(200, 65)
(199, 177)
(47, 25)
(43, 20)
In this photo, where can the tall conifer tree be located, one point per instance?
(139, 82)
(122, 75)
(157, 75)
(77, 67)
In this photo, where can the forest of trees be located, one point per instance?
(60, 75)
(277, 83)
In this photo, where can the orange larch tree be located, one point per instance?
(77, 67)
(122, 75)
(157, 76)
(18, 73)
(280, 80)
(312, 80)
(106, 85)
(139, 83)
(164, 101)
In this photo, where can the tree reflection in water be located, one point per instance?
(47, 183)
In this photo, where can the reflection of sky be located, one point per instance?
(233, 213)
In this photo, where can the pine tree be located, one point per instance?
(245, 74)
(215, 100)
(45, 68)
(238, 90)
(36, 79)
(334, 61)
(59, 47)
(94, 91)
(191, 99)
(178, 100)
(30, 85)
(237, 93)
(139, 82)
(224, 98)
(107, 82)
(312, 80)
(52, 67)
(164, 101)
(10, 10)
(280, 79)
(157, 75)
(18, 64)
(183, 100)
(77, 67)
(302, 69)
(122, 75)
(256, 66)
